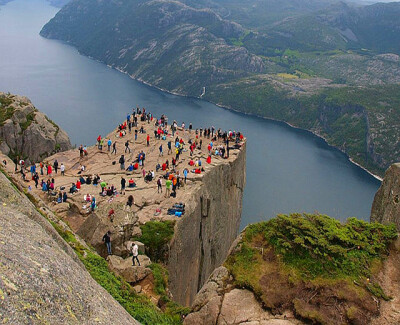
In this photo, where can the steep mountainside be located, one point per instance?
(42, 280)
(27, 133)
(386, 206)
(343, 26)
(308, 67)
(182, 42)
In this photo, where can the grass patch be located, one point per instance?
(138, 306)
(29, 119)
(317, 245)
(287, 76)
(155, 236)
(312, 264)
(171, 308)
(6, 111)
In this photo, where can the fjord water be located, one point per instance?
(288, 170)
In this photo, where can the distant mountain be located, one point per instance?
(58, 3)
(332, 68)
(55, 3)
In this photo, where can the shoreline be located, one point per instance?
(377, 177)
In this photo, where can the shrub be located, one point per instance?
(155, 236)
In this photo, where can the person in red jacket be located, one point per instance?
(148, 140)
(208, 160)
(78, 185)
(49, 170)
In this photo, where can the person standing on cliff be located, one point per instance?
(15, 160)
(55, 165)
(148, 140)
(123, 183)
(159, 185)
(122, 162)
(127, 146)
(49, 170)
(62, 169)
(114, 146)
(33, 169)
(168, 184)
(135, 253)
(107, 240)
(109, 143)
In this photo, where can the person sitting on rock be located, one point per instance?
(88, 180)
(96, 180)
(65, 197)
(130, 201)
(73, 189)
(130, 167)
(111, 215)
(131, 183)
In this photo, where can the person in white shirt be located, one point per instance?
(62, 169)
(135, 253)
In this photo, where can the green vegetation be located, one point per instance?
(313, 264)
(171, 308)
(29, 119)
(344, 116)
(317, 245)
(155, 236)
(6, 111)
(139, 306)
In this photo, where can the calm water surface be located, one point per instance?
(288, 170)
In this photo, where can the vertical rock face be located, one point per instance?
(42, 281)
(203, 237)
(26, 132)
(386, 205)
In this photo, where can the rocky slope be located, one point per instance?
(386, 205)
(183, 42)
(42, 280)
(27, 133)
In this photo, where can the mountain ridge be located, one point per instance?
(186, 50)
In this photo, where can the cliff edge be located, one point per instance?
(386, 205)
(27, 133)
(305, 269)
(190, 245)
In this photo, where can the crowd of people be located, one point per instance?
(169, 173)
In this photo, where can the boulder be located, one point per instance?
(125, 269)
(240, 306)
(207, 315)
(141, 247)
(386, 205)
(29, 132)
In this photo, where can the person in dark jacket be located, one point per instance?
(107, 240)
